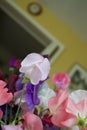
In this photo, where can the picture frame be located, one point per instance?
(78, 77)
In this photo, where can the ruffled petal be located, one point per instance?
(32, 122)
(5, 97)
(32, 59)
(44, 68)
(12, 127)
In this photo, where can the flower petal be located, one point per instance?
(35, 76)
(56, 101)
(45, 93)
(61, 80)
(5, 97)
(32, 122)
(35, 67)
(44, 68)
(12, 127)
(32, 59)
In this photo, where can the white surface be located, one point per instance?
(71, 12)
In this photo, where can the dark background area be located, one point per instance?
(14, 40)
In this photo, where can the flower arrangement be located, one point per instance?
(28, 103)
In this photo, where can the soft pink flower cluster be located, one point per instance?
(65, 109)
(31, 121)
(5, 97)
(68, 110)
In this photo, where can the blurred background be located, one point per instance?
(56, 27)
(72, 12)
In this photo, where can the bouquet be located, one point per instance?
(27, 102)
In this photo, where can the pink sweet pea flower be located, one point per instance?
(12, 127)
(56, 101)
(32, 122)
(69, 110)
(5, 97)
(57, 108)
(35, 67)
(61, 80)
(77, 106)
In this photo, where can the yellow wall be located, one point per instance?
(75, 49)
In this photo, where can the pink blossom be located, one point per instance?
(5, 97)
(35, 67)
(12, 127)
(61, 80)
(67, 110)
(32, 122)
(78, 107)
(57, 107)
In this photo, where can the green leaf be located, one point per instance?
(25, 80)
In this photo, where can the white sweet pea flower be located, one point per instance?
(78, 95)
(45, 93)
(35, 67)
(75, 128)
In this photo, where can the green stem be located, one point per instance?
(10, 114)
(2, 123)
(6, 113)
(80, 127)
(17, 113)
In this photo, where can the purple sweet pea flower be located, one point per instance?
(19, 84)
(14, 62)
(32, 95)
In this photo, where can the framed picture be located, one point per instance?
(78, 78)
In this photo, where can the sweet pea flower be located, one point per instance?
(77, 106)
(57, 108)
(12, 127)
(61, 80)
(32, 122)
(32, 95)
(5, 96)
(44, 94)
(69, 110)
(35, 67)
(14, 63)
